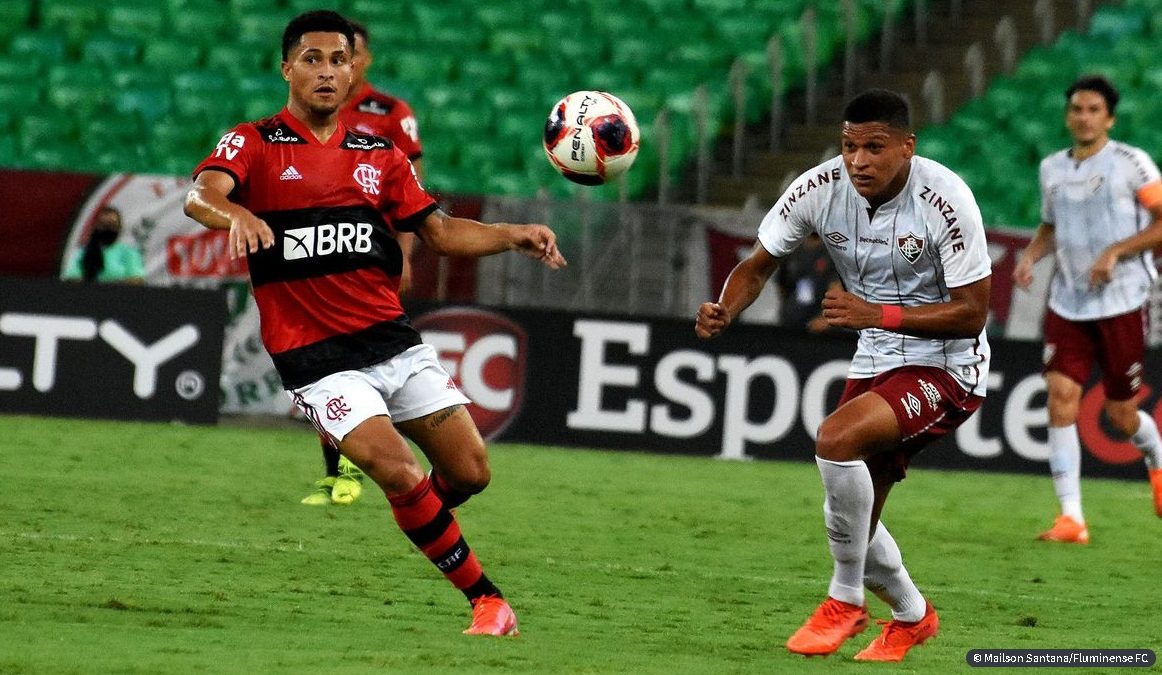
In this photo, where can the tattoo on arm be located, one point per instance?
(442, 416)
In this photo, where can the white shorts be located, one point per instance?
(409, 385)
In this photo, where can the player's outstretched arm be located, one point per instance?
(1040, 246)
(963, 316)
(447, 235)
(208, 203)
(742, 287)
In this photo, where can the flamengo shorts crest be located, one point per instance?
(409, 385)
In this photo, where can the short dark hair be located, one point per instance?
(359, 29)
(316, 21)
(879, 105)
(1095, 83)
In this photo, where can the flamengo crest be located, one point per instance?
(911, 247)
(368, 178)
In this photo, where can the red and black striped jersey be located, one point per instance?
(327, 291)
(380, 114)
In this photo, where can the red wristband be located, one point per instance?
(892, 317)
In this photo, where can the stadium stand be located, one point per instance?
(190, 64)
(177, 73)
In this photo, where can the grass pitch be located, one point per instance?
(146, 548)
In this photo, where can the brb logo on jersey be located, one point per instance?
(368, 178)
(485, 354)
(229, 145)
(325, 239)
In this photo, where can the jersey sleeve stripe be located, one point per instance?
(412, 223)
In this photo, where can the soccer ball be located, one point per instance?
(591, 137)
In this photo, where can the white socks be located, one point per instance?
(1065, 463)
(884, 575)
(1147, 440)
(848, 496)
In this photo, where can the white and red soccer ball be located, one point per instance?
(591, 137)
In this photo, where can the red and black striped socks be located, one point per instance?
(426, 520)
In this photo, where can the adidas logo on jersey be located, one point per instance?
(291, 173)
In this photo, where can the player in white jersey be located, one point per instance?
(1101, 217)
(906, 237)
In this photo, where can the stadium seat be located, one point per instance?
(150, 103)
(38, 47)
(111, 51)
(75, 19)
(44, 128)
(171, 54)
(239, 60)
(1113, 23)
(379, 13)
(140, 19)
(78, 88)
(196, 90)
(200, 24)
(15, 16)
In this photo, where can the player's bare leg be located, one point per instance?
(382, 453)
(861, 427)
(459, 457)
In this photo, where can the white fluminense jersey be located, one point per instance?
(1092, 204)
(924, 241)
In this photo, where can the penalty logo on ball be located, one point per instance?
(591, 137)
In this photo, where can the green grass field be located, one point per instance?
(148, 548)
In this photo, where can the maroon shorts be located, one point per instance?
(928, 404)
(1117, 344)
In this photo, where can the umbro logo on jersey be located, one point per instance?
(291, 173)
(836, 238)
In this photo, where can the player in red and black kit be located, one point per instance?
(312, 205)
(368, 111)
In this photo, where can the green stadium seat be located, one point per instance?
(195, 91)
(78, 88)
(260, 30)
(46, 127)
(201, 25)
(171, 54)
(15, 17)
(57, 156)
(38, 47)
(484, 70)
(75, 19)
(417, 68)
(1114, 23)
(140, 19)
(239, 60)
(111, 51)
(150, 103)
(379, 13)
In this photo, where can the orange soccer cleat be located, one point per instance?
(899, 636)
(491, 615)
(832, 623)
(1066, 530)
(1156, 483)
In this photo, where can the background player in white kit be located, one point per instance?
(906, 237)
(1101, 213)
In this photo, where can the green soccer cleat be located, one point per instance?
(348, 485)
(321, 495)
